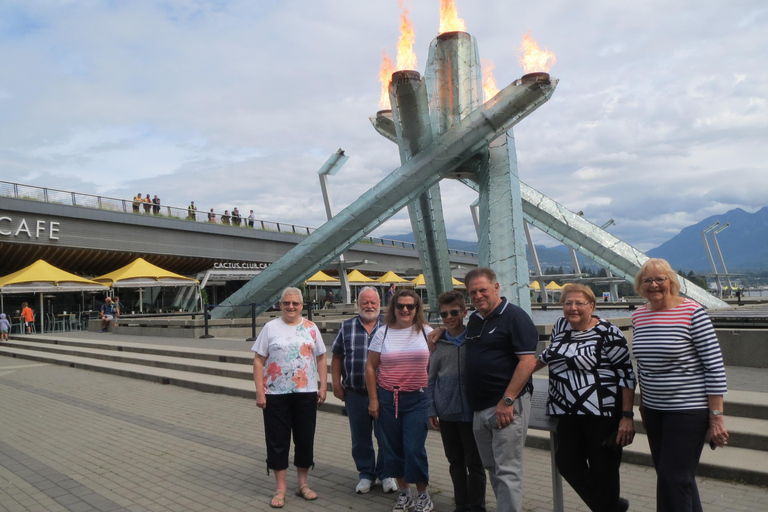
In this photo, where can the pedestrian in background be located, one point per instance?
(156, 203)
(147, 203)
(192, 211)
(251, 219)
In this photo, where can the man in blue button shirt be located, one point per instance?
(350, 354)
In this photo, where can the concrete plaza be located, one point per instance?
(75, 440)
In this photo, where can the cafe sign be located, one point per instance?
(32, 229)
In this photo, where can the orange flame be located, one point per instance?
(406, 57)
(489, 81)
(532, 58)
(449, 18)
(385, 77)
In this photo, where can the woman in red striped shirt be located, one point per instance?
(396, 378)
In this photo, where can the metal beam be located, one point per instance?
(446, 153)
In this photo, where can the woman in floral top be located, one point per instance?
(289, 360)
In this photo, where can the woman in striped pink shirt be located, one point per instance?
(396, 378)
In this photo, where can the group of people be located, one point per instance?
(151, 205)
(397, 377)
(229, 219)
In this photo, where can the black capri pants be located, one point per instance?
(285, 414)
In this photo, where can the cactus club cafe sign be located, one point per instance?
(18, 228)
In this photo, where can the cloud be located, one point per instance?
(659, 119)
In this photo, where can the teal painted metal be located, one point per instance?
(410, 112)
(445, 154)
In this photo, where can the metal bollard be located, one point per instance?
(206, 314)
(253, 323)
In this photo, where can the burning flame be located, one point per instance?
(489, 81)
(532, 58)
(406, 57)
(449, 18)
(385, 76)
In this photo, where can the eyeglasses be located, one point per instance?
(473, 336)
(409, 307)
(287, 303)
(578, 304)
(658, 280)
(453, 312)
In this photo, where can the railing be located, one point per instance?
(52, 195)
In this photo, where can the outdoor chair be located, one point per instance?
(74, 323)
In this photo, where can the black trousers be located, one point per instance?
(464, 465)
(285, 414)
(589, 467)
(676, 439)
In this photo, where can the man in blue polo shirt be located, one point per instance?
(501, 344)
(350, 354)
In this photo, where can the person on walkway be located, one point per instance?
(156, 205)
(289, 360)
(591, 392)
(5, 326)
(225, 218)
(251, 219)
(396, 379)
(137, 200)
(350, 353)
(682, 383)
(192, 211)
(212, 216)
(28, 316)
(390, 293)
(147, 204)
(501, 344)
(449, 410)
(107, 314)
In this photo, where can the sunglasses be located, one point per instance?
(409, 307)
(287, 303)
(453, 312)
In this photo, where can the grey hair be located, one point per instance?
(367, 289)
(291, 291)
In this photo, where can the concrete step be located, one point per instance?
(745, 459)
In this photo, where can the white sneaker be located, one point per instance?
(363, 486)
(424, 504)
(404, 503)
(389, 484)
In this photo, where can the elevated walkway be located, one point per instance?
(222, 365)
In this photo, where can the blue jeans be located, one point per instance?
(405, 437)
(362, 426)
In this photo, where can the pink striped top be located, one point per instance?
(404, 358)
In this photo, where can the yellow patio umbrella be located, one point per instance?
(42, 277)
(143, 274)
(457, 283)
(358, 277)
(321, 279)
(553, 286)
(535, 286)
(391, 277)
(419, 281)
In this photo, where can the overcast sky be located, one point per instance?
(660, 118)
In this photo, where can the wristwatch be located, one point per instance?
(509, 400)
(715, 412)
(628, 414)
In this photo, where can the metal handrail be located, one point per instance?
(69, 198)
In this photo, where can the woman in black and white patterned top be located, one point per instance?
(591, 391)
(682, 383)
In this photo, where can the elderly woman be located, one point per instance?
(289, 361)
(591, 392)
(682, 383)
(396, 379)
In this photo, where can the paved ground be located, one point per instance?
(74, 440)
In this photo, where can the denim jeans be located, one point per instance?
(362, 427)
(405, 436)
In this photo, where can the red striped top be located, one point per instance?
(404, 358)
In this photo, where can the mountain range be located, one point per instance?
(744, 245)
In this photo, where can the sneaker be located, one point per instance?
(424, 504)
(404, 503)
(389, 484)
(363, 486)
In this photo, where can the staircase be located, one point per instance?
(231, 372)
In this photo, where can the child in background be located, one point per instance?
(449, 410)
(28, 316)
(5, 326)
